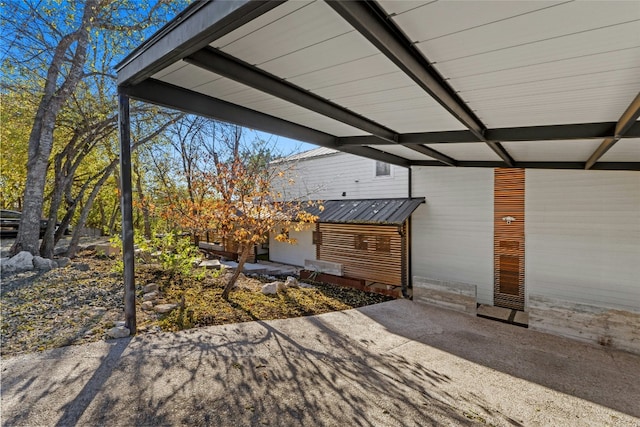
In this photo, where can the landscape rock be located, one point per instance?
(292, 282)
(280, 286)
(147, 305)
(119, 323)
(80, 266)
(210, 264)
(60, 250)
(164, 308)
(270, 288)
(151, 287)
(3, 261)
(150, 296)
(118, 332)
(63, 262)
(44, 264)
(22, 261)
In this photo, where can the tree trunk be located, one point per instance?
(143, 205)
(244, 255)
(55, 95)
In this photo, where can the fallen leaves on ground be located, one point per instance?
(68, 307)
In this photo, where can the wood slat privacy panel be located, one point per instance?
(509, 238)
(339, 245)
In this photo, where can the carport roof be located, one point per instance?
(536, 84)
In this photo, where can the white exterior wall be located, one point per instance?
(327, 177)
(293, 254)
(452, 234)
(582, 231)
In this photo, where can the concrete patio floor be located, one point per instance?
(396, 363)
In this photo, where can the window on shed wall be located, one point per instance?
(383, 169)
(360, 242)
(383, 244)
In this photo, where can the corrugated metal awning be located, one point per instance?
(366, 211)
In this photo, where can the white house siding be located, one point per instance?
(327, 177)
(452, 234)
(293, 254)
(583, 236)
(582, 275)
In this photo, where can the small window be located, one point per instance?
(383, 169)
(361, 242)
(317, 237)
(383, 244)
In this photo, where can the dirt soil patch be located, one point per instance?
(79, 303)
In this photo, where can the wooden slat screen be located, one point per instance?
(509, 238)
(338, 245)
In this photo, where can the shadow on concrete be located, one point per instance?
(600, 375)
(368, 367)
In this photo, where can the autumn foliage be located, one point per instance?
(236, 200)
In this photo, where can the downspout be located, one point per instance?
(126, 205)
(408, 284)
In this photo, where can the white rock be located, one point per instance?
(120, 323)
(22, 261)
(164, 308)
(118, 332)
(44, 264)
(150, 296)
(151, 287)
(280, 286)
(147, 305)
(292, 282)
(270, 288)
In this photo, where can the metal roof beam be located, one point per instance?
(526, 133)
(367, 19)
(194, 28)
(434, 154)
(633, 166)
(374, 154)
(627, 120)
(225, 65)
(168, 95)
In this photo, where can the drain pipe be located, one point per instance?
(408, 283)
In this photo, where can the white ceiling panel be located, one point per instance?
(598, 41)
(625, 150)
(593, 105)
(189, 76)
(549, 24)
(467, 151)
(605, 79)
(449, 17)
(625, 59)
(416, 120)
(402, 151)
(329, 53)
(382, 83)
(268, 19)
(393, 7)
(305, 27)
(170, 69)
(552, 151)
(348, 71)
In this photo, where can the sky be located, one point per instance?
(282, 145)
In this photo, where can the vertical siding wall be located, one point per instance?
(327, 177)
(287, 253)
(583, 237)
(452, 234)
